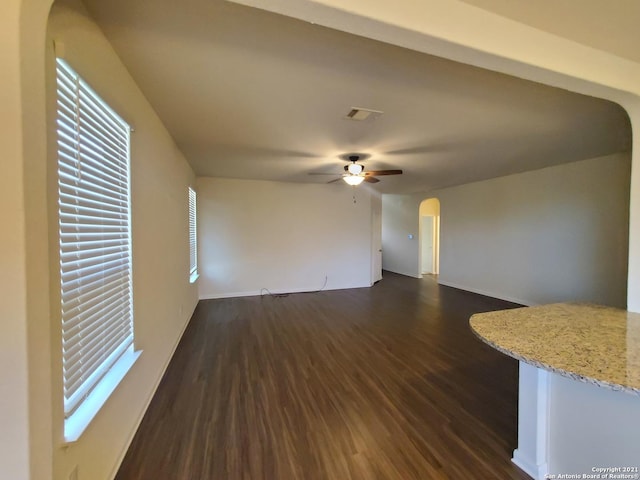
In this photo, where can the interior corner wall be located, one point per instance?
(163, 297)
(284, 237)
(551, 235)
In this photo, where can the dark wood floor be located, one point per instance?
(383, 383)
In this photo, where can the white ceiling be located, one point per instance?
(250, 94)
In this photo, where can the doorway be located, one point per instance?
(429, 236)
(376, 240)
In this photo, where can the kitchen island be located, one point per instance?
(579, 393)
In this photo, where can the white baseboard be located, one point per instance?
(285, 291)
(486, 293)
(150, 397)
(537, 472)
(213, 296)
(406, 274)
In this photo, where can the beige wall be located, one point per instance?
(557, 234)
(560, 233)
(285, 237)
(14, 404)
(163, 297)
(430, 207)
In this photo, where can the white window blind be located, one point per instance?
(193, 235)
(95, 240)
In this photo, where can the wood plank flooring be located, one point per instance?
(378, 383)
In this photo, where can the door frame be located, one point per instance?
(430, 207)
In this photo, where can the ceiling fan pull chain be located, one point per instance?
(354, 194)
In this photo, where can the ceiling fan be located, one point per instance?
(354, 171)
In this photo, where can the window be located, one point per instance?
(95, 249)
(193, 237)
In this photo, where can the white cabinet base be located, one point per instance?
(533, 421)
(567, 427)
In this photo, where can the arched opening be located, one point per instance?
(429, 256)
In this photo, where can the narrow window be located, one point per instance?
(95, 248)
(193, 237)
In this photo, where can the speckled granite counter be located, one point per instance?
(590, 343)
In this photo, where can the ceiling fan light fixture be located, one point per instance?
(355, 169)
(353, 180)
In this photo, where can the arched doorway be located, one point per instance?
(429, 236)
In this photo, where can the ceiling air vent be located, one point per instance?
(360, 114)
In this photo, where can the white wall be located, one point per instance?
(556, 234)
(281, 236)
(163, 297)
(401, 234)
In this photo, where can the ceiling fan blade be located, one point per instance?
(334, 181)
(377, 173)
(371, 179)
(324, 173)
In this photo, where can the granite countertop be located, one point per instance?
(590, 343)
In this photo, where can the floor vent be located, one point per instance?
(360, 114)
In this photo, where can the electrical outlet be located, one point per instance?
(74, 473)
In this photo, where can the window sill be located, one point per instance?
(75, 425)
(194, 276)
